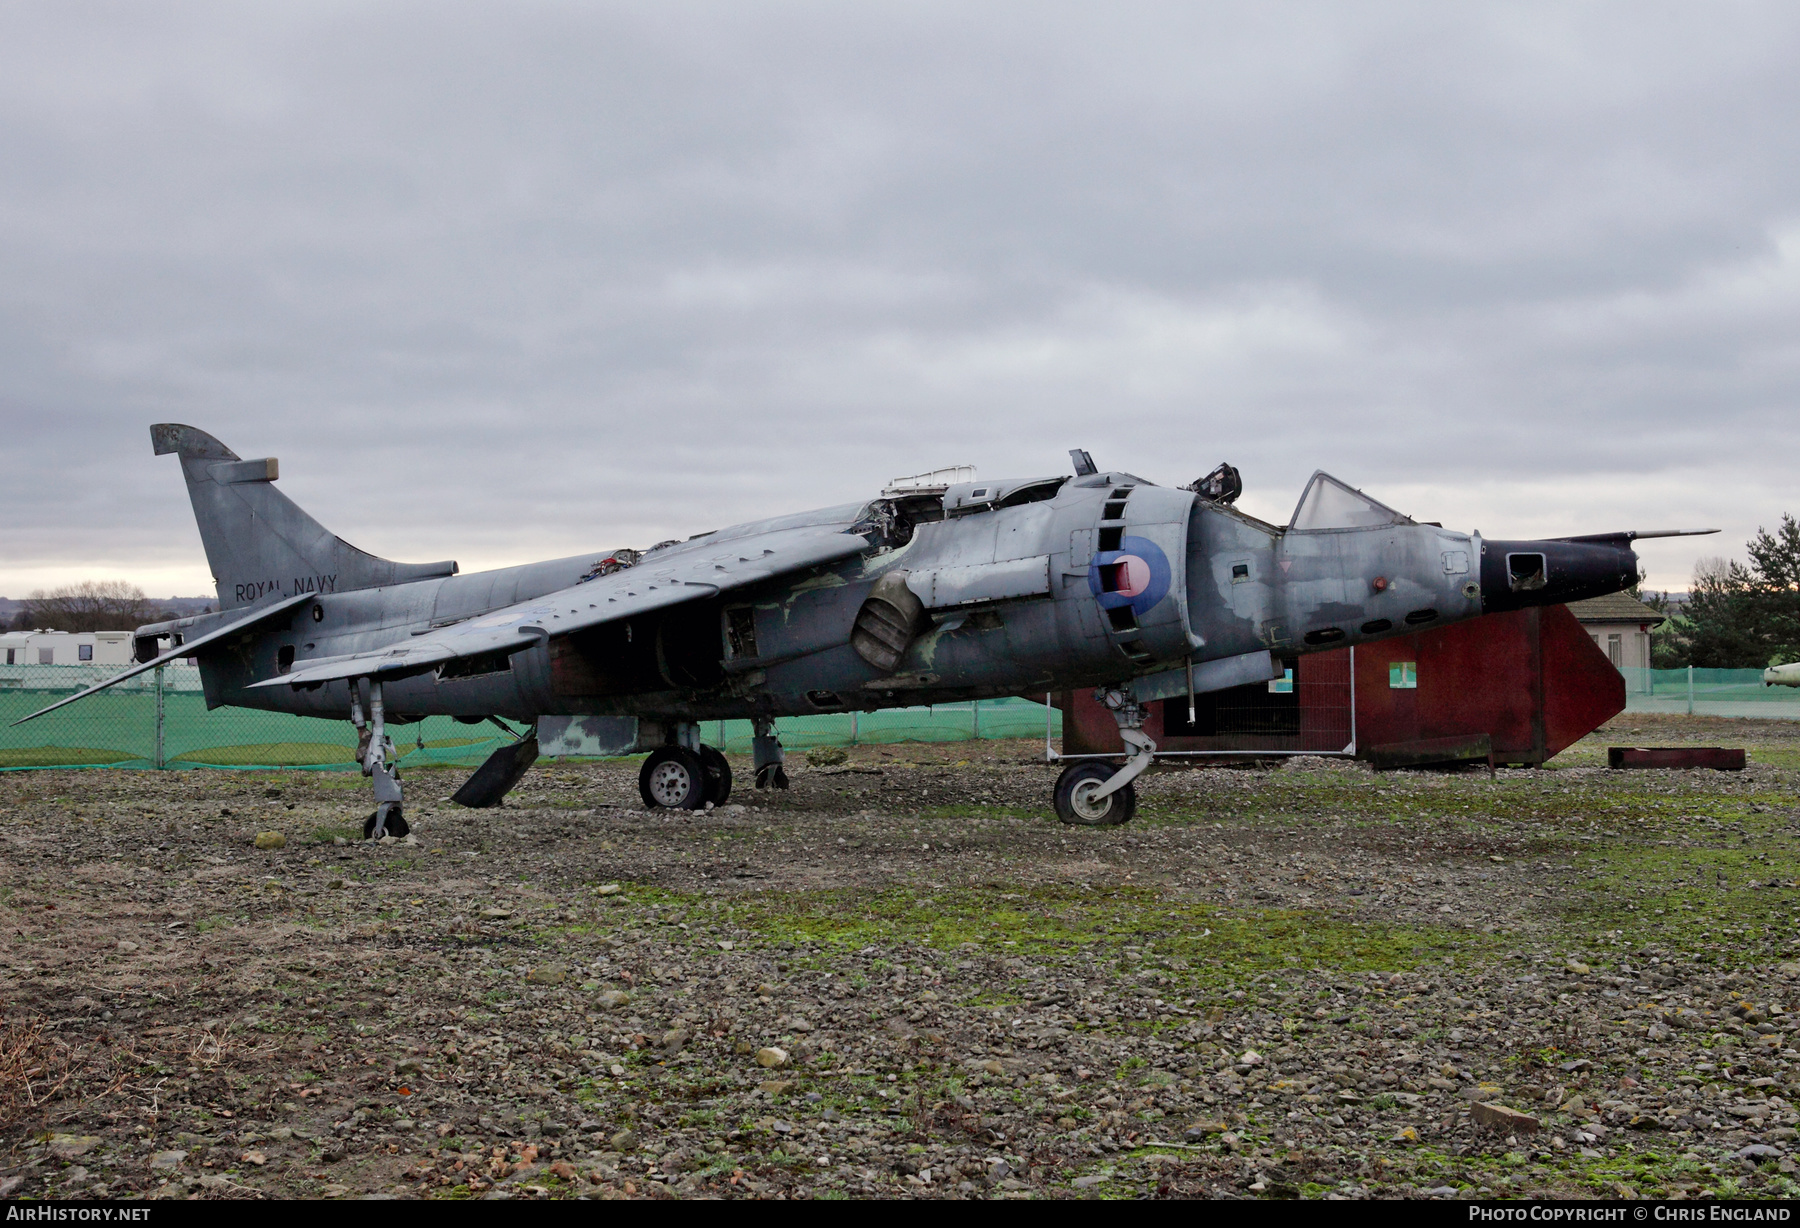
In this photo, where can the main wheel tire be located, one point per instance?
(717, 770)
(1076, 804)
(396, 825)
(672, 779)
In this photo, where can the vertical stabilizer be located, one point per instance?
(260, 544)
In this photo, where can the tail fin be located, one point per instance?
(259, 543)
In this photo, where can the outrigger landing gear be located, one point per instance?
(768, 756)
(376, 750)
(1102, 794)
(685, 775)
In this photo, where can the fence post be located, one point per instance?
(975, 718)
(1690, 710)
(853, 716)
(159, 761)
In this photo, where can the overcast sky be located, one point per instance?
(507, 281)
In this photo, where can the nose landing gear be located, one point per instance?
(1080, 802)
(1102, 794)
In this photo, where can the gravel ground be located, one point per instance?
(903, 977)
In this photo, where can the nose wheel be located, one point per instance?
(1078, 801)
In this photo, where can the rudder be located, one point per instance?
(259, 543)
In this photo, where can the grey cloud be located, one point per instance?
(499, 281)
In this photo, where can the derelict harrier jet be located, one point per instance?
(938, 589)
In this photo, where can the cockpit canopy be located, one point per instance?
(1329, 504)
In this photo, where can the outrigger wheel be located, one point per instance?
(673, 778)
(1076, 803)
(396, 825)
(771, 776)
(717, 771)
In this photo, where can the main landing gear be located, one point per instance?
(376, 751)
(679, 778)
(676, 778)
(687, 775)
(1101, 794)
(767, 755)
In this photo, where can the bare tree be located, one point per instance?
(92, 605)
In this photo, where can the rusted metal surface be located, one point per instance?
(1427, 752)
(1716, 758)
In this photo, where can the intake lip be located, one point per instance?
(1516, 575)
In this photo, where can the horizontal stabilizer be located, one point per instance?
(180, 651)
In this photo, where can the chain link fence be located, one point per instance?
(1709, 692)
(159, 720)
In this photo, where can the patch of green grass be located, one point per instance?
(62, 756)
(1054, 920)
(982, 812)
(1696, 900)
(270, 753)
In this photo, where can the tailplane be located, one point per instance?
(259, 543)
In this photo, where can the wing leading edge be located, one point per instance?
(691, 575)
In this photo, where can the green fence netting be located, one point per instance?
(120, 727)
(1709, 692)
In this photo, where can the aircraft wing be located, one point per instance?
(190, 648)
(690, 575)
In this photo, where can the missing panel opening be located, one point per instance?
(1525, 572)
(474, 667)
(1421, 616)
(1122, 618)
(1375, 626)
(1111, 539)
(1324, 635)
(740, 630)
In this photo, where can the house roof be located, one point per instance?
(1614, 608)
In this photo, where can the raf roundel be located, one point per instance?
(1137, 575)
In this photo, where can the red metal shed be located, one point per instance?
(1520, 686)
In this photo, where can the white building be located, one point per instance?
(1620, 625)
(65, 648)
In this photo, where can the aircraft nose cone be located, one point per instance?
(1519, 574)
